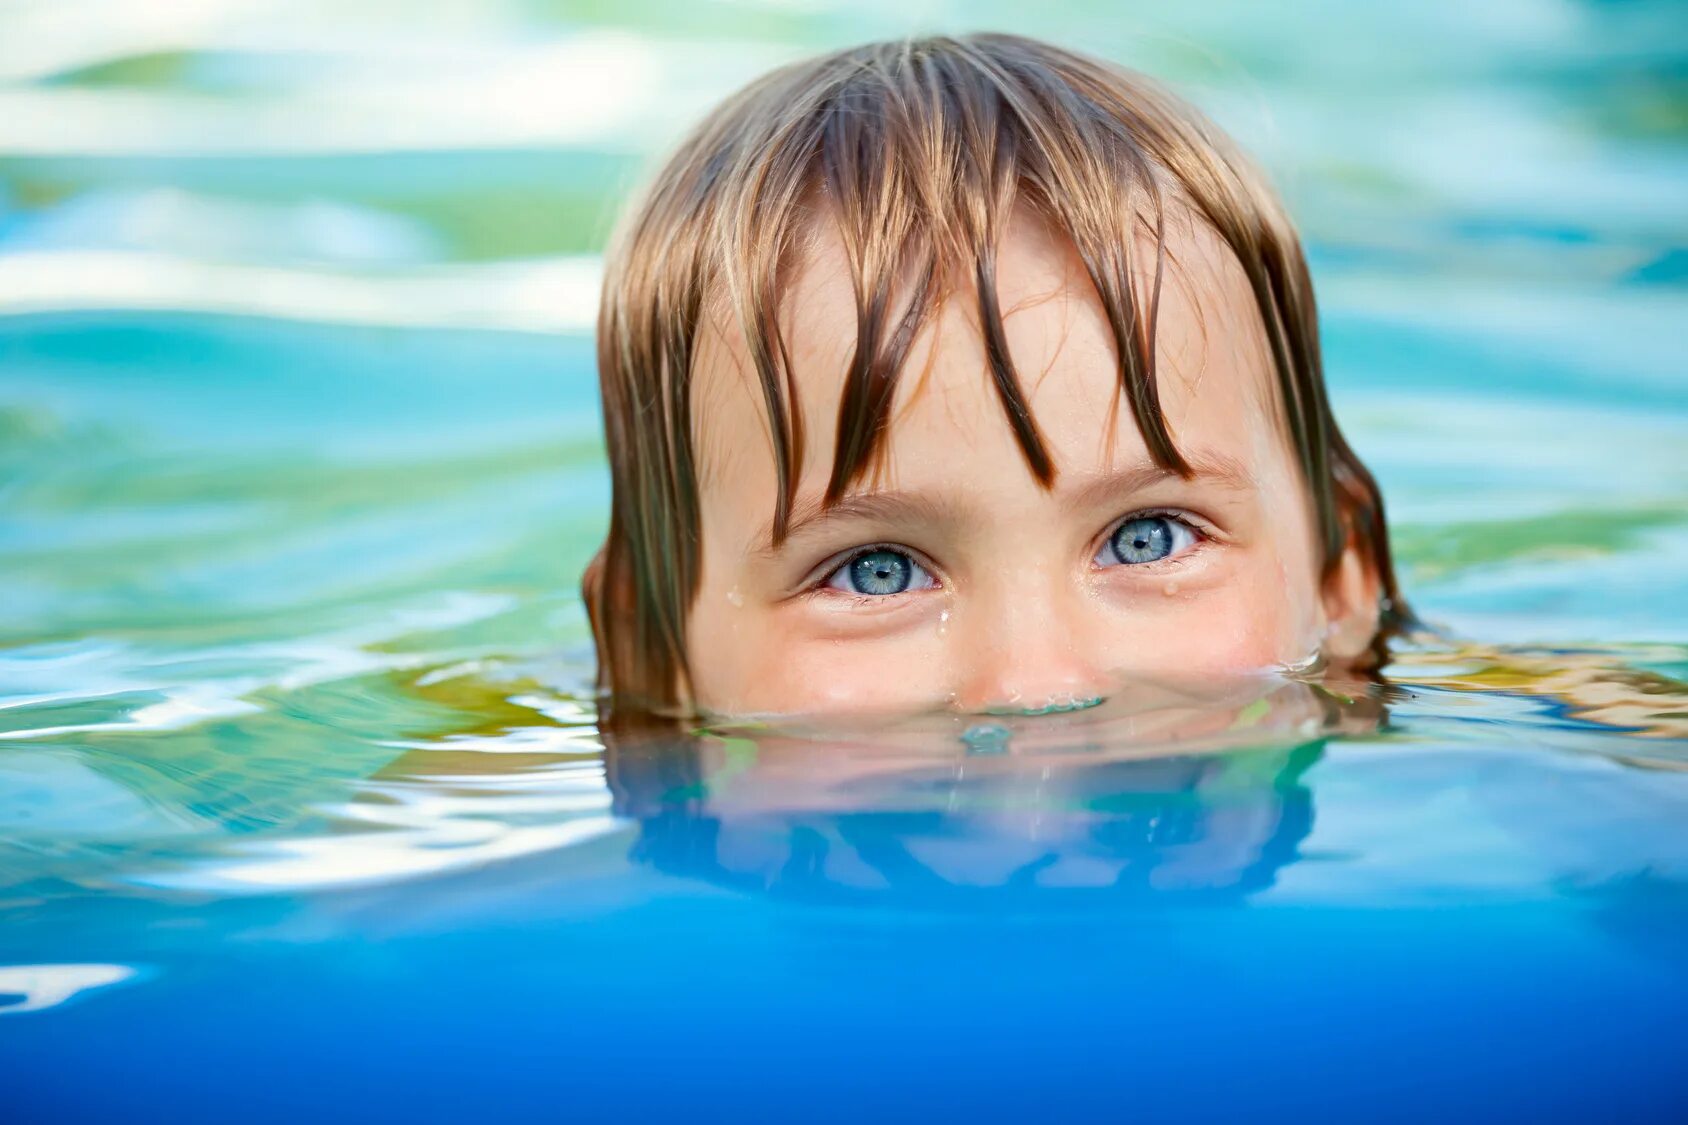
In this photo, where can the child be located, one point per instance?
(864, 348)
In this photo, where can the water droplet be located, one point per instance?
(736, 598)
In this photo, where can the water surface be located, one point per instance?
(303, 809)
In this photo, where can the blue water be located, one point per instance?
(304, 814)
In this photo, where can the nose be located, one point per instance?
(1027, 649)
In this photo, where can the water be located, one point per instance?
(302, 807)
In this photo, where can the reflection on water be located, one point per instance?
(1187, 790)
(419, 771)
(1051, 832)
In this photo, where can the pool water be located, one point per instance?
(303, 810)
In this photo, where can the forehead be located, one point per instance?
(1213, 369)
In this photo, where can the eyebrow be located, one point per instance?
(1214, 469)
(892, 506)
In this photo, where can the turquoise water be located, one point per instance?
(302, 806)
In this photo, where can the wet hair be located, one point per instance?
(920, 150)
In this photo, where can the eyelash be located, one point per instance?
(821, 576)
(1200, 532)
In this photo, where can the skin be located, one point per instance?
(1021, 602)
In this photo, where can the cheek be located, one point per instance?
(728, 648)
(752, 660)
(1240, 627)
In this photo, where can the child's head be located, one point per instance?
(967, 373)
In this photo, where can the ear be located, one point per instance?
(635, 683)
(1353, 609)
(592, 593)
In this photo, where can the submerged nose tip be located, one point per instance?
(1055, 704)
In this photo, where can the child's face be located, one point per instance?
(953, 579)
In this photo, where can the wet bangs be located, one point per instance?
(918, 159)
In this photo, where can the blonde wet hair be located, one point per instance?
(920, 149)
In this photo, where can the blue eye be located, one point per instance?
(880, 573)
(1146, 539)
